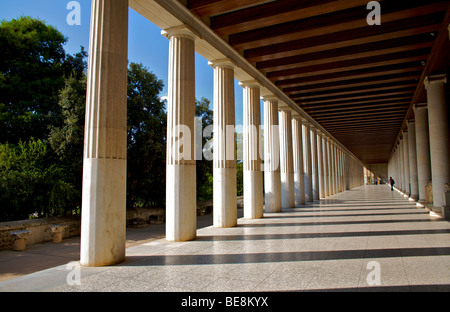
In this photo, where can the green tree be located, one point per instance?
(146, 138)
(30, 184)
(146, 150)
(33, 64)
(67, 139)
(204, 168)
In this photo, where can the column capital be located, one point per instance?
(285, 109)
(249, 84)
(419, 105)
(269, 97)
(410, 121)
(182, 30)
(225, 62)
(435, 79)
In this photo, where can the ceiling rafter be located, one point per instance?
(357, 81)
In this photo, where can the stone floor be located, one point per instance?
(365, 239)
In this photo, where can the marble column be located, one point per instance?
(406, 161)
(103, 221)
(422, 150)
(297, 157)
(224, 171)
(341, 166)
(326, 167)
(439, 137)
(315, 163)
(333, 166)
(402, 166)
(412, 160)
(286, 165)
(272, 178)
(336, 168)
(321, 163)
(398, 179)
(253, 178)
(181, 199)
(308, 163)
(339, 169)
(330, 166)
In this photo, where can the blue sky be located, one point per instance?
(146, 44)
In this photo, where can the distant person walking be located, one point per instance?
(391, 182)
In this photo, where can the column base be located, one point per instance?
(253, 194)
(299, 191)
(224, 197)
(443, 212)
(272, 195)
(103, 221)
(287, 190)
(181, 203)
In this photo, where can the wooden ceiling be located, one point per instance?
(357, 81)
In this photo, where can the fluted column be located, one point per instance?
(181, 201)
(321, 164)
(333, 168)
(402, 166)
(272, 179)
(398, 177)
(330, 166)
(399, 166)
(326, 167)
(286, 165)
(339, 169)
(422, 150)
(346, 173)
(336, 169)
(253, 183)
(342, 171)
(103, 221)
(406, 161)
(412, 160)
(297, 157)
(439, 137)
(224, 171)
(308, 162)
(315, 163)
(339, 166)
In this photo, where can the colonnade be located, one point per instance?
(301, 162)
(421, 154)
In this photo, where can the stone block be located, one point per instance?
(19, 238)
(57, 232)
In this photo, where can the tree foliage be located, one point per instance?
(33, 65)
(42, 120)
(146, 153)
(30, 183)
(204, 168)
